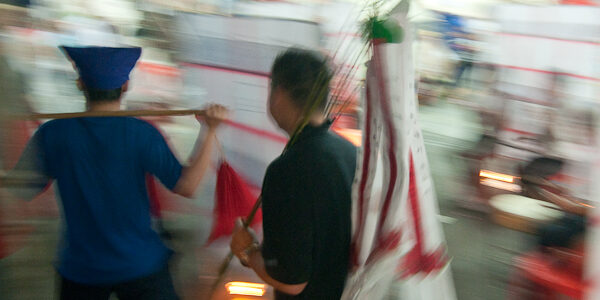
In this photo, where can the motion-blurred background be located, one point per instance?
(501, 84)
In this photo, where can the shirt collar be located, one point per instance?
(312, 130)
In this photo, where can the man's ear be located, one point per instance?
(125, 87)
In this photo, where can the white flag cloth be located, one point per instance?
(397, 239)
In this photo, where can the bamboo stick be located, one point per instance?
(117, 113)
(227, 261)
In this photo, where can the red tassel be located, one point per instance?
(233, 199)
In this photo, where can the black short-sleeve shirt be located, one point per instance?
(307, 214)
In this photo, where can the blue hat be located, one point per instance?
(103, 68)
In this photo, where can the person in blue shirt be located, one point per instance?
(100, 164)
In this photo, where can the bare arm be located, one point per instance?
(257, 263)
(192, 175)
(564, 202)
(29, 177)
(242, 240)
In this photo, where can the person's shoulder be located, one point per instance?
(57, 124)
(283, 166)
(142, 125)
(275, 166)
(340, 143)
(138, 122)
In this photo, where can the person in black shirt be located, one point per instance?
(306, 192)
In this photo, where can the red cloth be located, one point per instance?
(161, 198)
(554, 279)
(233, 199)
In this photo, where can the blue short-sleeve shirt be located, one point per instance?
(99, 165)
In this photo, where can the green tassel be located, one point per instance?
(383, 29)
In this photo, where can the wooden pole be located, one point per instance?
(23, 179)
(227, 261)
(116, 113)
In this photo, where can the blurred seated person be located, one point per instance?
(568, 231)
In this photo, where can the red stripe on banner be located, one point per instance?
(390, 241)
(415, 208)
(547, 38)
(158, 69)
(547, 72)
(356, 241)
(418, 260)
(226, 70)
(259, 132)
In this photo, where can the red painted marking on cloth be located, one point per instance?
(363, 181)
(259, 132)
(546, 72)
(415, 209)
(381, 240)
(417, 260)
(547, 38)
(389, 243)
(227, 70)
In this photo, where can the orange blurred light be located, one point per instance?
(511, 187)
(496, 176)
(354, 136)
(585, 204)
(246, 288)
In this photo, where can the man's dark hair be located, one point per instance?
(103, 95)
(304, 74)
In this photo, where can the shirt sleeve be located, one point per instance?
(158, 159)
(288, 228)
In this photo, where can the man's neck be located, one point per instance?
(316, 120)
(104, 105)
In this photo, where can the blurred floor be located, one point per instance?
(481, 250)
